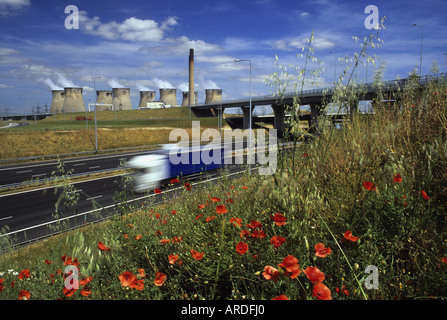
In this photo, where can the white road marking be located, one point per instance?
(92, 198)
(24, 171)
(95, 167)
(6, 218)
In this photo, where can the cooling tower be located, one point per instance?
(185, 101)
(57, 101)
(145, 97)
(73, 101)
(168, 96)
(104, 96)
(121, 99)
(213, 96)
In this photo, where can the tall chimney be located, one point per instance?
(168, 96)
(191, 77)
(57, 101)
(121, 99)
(185, 101)
(145, 97)
(73, 101)
(213, 96)
(104, 96)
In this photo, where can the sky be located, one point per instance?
(144, 45)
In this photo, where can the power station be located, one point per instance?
(121, 99)
(73, 101)
(57, 101)
(104, 97)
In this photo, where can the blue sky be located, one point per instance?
(145, 44)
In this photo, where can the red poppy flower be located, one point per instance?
(85, 280)
(201, 206)
(85, 292)
(102, 247)
(24, 274)
(236, 222)
(197, 255)
(2, 287)
(258, 234)
(425, 196)
(348, 236)
(279, 219)
(271, 273)
(69, 292)
(48, 261)
(174, 211)
(241, 247)
(172, 258)
(281, 297)
(254, 224)
(137, 284)
(188, 186)
(314, 274)
(277, 241)
(174, 181)
(321, 292)
(444, 259)
(24, 295)
(157, 191)
(220, 209)
(164, 241)
(138, 237)
(160, 278)
(397, 178)
(290, 263)
(208, 219)
(244, 234)
(214, 199)
(321, 251)
(369, 185)
(127, 278)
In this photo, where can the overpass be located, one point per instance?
(314, 98)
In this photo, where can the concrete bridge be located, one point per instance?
(314, 98)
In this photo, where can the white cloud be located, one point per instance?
(10, 7)
(215, 59)
(181, 45)
(304, 14)
(292, 44)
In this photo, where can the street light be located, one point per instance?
(249, 148)
(422, 37)
(96, 128)
(335, 64)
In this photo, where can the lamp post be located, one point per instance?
(249, 148)
(335, 65)
(422, 37)
(96, 128)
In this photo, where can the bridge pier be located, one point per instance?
(278, 121)
(246, 112)
(315, 112)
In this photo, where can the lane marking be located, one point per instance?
(39, 175)
(6, 218)
(24, 171)
(92, 198)
(95, 167)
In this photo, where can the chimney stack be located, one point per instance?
(191, 78)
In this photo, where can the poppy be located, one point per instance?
(174, 181)
(214, 199)
(348, 236)
(397, 178)
(425, 196)
(201, 206)
(281, 297)
(137, 284)
(244, 187)
(85, 292)
(199, 216)
(321, 250)
(160, 278)
(188, 186)
(208, 219)
(290, 263)
(369, 185)
(24, 274)
(241, 247)
(174, 211)
(85, 280)
(69, 292)
(138, 236)
(157, 191)
(197, 255)
(444, 259)
(141, 273)
(24, 295)
(164, 241)
(48, 262)
(2, 287)
(271, 273)
(172, 258)
(220, 209)
(277, 241)
(321, 292)
(258, 234)
(254, 224)
(127, 278)
(177, 239)
(279, 219)
(244, 234)
(102, 247)
(236, 222)
(314, 274)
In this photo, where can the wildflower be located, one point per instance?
(188, 186)
(314, 274)
(397, 178)
(220, 209)
(279, 219)
(160, 278)
(24, 295)
(241, 247)
(258, 234)
(164, 241)
(290, 263)
(24, 274)
(174, 181)
(321, 250)
(244, 187)
(85, 280)
(172, 258)
(201, 206)
(127, 278)
(177, 239)
(277, 241)
(69, 261)
(369, 185)
(214, 199)
(444, 259)
(2, 287)
(141, 273)
(208, 219)
(197, 255)
(102, 247)
(48, 262)
(157, 191)
(424, 195)
(138, 236)
(69, 292)
(271, 273)
(244, 234)
(254, 224)
(85, 292)
(137, 284)
(348, 236)
(281, 297)
(174, 211)
(321, 292)
(236, 222)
